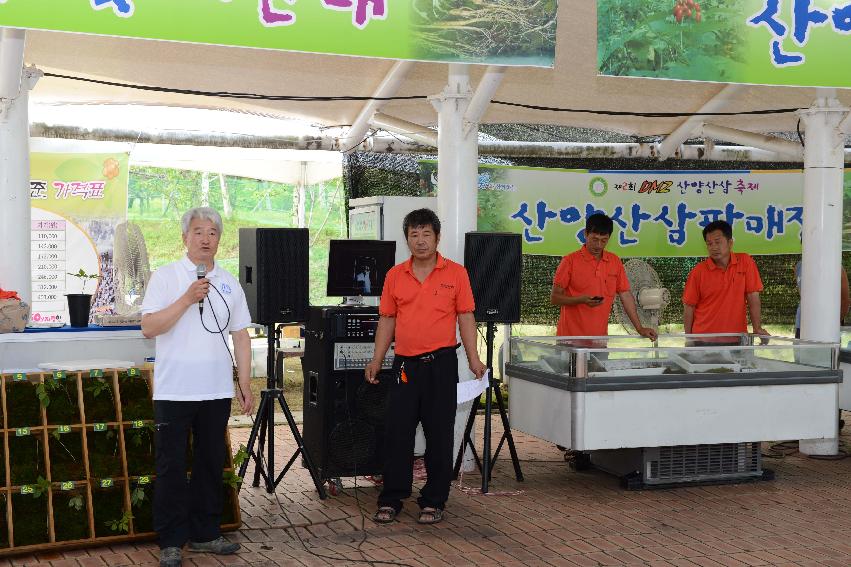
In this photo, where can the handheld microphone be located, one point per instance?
(201, 272)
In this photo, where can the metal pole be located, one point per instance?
(270, 414)
(388, 87)
(15, 84)
(422, 141)
(672, 142)
(822, 232)
(486, 449)
(12, 45)
(457, 170)
(415, 132)
(485, 91)
(788, 150)
(457, 164)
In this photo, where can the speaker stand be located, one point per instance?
(486, 463)
(264, 426)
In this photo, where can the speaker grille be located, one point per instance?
(494, 262)
(273, 270)
(351, 445)
(371, 402)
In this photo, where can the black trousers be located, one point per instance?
(429, 396)
(189, 510)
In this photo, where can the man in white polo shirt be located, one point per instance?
(193, 386)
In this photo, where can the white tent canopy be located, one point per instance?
(573, 83)
(292, 167)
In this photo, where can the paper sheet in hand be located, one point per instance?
(473, 388)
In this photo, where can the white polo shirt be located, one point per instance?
(193, 364)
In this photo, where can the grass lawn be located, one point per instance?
(293, 388)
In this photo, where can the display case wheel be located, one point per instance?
(335, 486)
(580, 461)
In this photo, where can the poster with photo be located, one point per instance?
(77, 201)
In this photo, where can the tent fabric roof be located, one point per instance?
(281, 166)
(573, 83)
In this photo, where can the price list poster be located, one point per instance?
(77, 201)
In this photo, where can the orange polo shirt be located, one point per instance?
(581, 274)
(718, 296)
(426, 313)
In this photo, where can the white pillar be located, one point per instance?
(457, 164)
(822, 244)
(457, 193)
(15, 83)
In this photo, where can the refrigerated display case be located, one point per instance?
(624, 399)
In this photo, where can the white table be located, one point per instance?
(25, 351)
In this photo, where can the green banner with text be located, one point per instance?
(770, 42)
(655, 213)
(521, 32)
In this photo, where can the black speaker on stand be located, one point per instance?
(494, 262)
(273, 272)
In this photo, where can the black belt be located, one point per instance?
(427, 357)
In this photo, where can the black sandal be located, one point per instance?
(432, 516)
(384, 515)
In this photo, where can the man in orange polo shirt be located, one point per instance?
(422, 301)
(718, 288)
(586, 283)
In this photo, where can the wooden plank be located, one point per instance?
(87, 486)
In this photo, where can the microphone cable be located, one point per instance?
(260, 457)
(355, 462)
(212, 309)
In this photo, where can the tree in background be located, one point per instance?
(157, 198)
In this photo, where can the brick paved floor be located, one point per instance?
(562, 518)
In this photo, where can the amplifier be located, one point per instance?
(342, 323)
(348, 356)
(343, 414)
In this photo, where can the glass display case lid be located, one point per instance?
(616, 356)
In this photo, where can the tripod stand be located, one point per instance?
(486, 463)
(264, 424)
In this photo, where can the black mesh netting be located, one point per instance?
(369, 174)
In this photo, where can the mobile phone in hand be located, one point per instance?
(597, 298)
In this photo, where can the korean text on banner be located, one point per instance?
(655, 213)
(490, 31)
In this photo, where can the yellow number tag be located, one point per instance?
(59, 375)
(100, 427)
(132, 372)
(27, 489)
(64, 429)
(106, 483)
(144, 480)
(19, 377)
(98, 373)
(22, 431)
(68, 485)
(138, 424)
